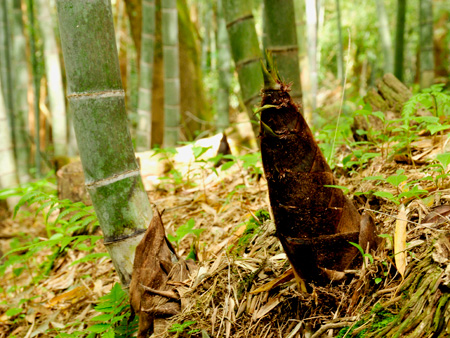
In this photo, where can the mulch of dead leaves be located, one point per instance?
(243, 286)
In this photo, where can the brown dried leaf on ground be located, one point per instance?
(438, 214)
(400, 241)
(156, 268)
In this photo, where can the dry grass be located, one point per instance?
(220, 297)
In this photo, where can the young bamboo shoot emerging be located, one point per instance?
(314, 223)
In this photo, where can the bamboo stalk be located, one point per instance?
(171, 73)
(280, 39)
(383, 28)
(22, 135)
(97, 100)
(8, 176)
(36, 87)
(426, 71)
(54, 80)
(6, 76)
(311, 32)
(400, 39)
(245, 51)
(340, 55)
(143, 137)
(223, 69)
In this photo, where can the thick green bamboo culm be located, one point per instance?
(400, 39)
(426, 43)
(22, 142)
(36, 86)
(97, 101)
(245, 51)
(281, 41)
(171, 73)
(144, 129)
(54, 79)
(223, 68)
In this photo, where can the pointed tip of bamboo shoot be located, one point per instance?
(270, 74)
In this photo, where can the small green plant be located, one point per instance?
(364, 255)
(252, 229)
(180, 328)
(114, 318)
(173, 176)
(250, 167)
(359, 158)
(66, 225)
(405, 190)
(182, 232)
(441, 168)
(249, 162)
(433, 99)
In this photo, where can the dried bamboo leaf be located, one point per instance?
(269, 306)
(438, 214)
(74, 296)
(400, 241)
(285, 277)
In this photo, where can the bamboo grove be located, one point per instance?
(177, 60)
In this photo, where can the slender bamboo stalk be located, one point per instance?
(124, 47)
(171, 73)
(311, 32)
(36, 86)
(207, 13)
(158, 81)
(196, 115)
(143, 139)
(223, 69)
(299, 7)
(281, 40)
(400, 39)
(6, 69)
(426, 43)
(19, 64)
(340, 56)
(383, 27)
(97, 100)
(134, 11)
(54, 80)
(8, 176)
(245, 51)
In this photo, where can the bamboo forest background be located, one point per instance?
(189, 67)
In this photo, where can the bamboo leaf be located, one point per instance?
(400, 241)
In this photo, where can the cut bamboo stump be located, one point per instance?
(389, 96)
(423, 309)
(71, 183)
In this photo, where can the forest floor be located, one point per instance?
(243, 286)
